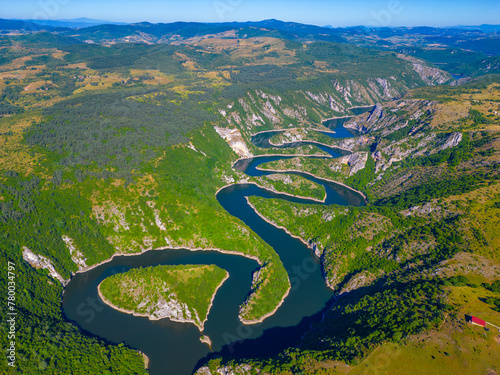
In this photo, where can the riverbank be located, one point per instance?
(146, 360)
(278, 192)
(89, 268)
(350, 116)
(212, 300)
(336, 118)
(291, 235)
(281, 155)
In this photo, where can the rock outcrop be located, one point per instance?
(235, 140)
(39, 261)
(76, 256)
(451, 141)
(356, 161)
(431, 76)
(376, 114)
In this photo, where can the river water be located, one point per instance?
(175, 348)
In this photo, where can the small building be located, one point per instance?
(477, 321)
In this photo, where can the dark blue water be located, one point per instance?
(249, 165)
(340, 133)
(174, 348)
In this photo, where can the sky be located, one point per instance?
(316, 12)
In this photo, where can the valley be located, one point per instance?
(158, 154)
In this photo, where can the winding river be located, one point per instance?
(175, 348)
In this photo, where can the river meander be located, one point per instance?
(175, 348)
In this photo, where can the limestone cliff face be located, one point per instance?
(376, 114)
(76, 256)
(431, 76)
(356, 161)
(233, 137)
(262, 109)
(403, 127)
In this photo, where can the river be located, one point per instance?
(175, 348)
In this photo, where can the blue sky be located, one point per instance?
(316, 12)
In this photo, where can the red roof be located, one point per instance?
(478, 321)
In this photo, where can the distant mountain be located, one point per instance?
(98, 31)
(22, 25)
(94, 21)
(484, 28)
(75, 23)
(165, 32)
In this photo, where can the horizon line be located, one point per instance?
(109, 22)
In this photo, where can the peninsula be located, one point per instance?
(181, 293)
